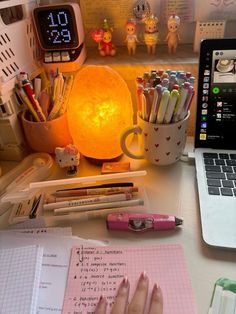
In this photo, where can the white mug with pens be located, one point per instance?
(163, 114)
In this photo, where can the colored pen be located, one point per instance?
(140, 222)
(29, 92)
(181, 102)
(105, 185)
(155, 103)
(163, 106)
(65, 210)
(187, 102)
(173, 100)
(87, 201)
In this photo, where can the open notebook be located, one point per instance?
(98, 271)
(215, 141)
(20, 273)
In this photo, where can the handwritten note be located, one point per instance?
(98, 271)
(183, 8)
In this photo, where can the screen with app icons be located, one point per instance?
(216, 108)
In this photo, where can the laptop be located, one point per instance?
(215, 142)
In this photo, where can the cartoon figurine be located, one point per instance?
(151, 34)
(172, 37)
(103, 38)
(131, 37)
(69, 157)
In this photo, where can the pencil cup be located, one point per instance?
(46, 136)
(160, 144)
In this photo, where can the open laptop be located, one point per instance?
(215, 141)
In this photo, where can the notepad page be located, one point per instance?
(19, 279)
(98, 271)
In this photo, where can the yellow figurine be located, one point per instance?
(173, 38)
(151, 34)
(131, 37)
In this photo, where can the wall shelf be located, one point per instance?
(184, 55)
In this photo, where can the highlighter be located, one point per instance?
(140, 222)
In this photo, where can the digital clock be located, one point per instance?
(60, 33)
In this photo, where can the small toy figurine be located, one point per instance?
(172, 37)
(131, 37)
(69, 157)
(103, 37)
(151, 35)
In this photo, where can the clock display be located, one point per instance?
(56, 27)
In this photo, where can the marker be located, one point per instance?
(163, 106)
(173, 100)
(88, 201)
(139, 93)
(187, 102)
(140, 222)
(65, 210)
(181, 102)
(155, 103)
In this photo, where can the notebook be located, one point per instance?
(19, 279)
(215, 141)
(97, 271)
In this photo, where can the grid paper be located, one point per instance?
(98, 271)
(19, 279)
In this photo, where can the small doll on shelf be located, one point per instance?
(103, 37)
(131, 37)
(151, 34)
(68, 157)
(172, 37)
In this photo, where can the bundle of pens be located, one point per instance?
(98, 197)
(164, 96)
(45, 98)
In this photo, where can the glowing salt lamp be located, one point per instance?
(99, 110)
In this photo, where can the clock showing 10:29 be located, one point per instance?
(59, 27)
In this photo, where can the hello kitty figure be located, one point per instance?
(131, 37)
(68, 157)
(151, 34)
(173, 38)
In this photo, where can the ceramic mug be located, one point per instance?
(160, 144)
(46, 136)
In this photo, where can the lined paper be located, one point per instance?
(98, 271)
(19, 279)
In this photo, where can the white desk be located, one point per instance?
(170, 190)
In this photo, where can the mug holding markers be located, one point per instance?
(163, 101)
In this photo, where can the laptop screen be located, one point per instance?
(216, 101)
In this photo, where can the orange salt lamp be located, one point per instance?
(99, 110)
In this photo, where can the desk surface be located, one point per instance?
(170, 190)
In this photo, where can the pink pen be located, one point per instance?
(142, 222)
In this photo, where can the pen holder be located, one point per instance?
(46, 136)
(160, 144)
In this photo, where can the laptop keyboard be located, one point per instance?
(220, 173)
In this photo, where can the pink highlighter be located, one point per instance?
(142, 222)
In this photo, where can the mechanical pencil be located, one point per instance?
(142, 222)
(90, 200)
(128, 203)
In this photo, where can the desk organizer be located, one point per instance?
(44, 188)
(19, 52)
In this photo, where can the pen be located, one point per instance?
(155, 103)
(187, 102)
(105, 185)
(174, 98)
(95, 191)
(65, 210)
(91, 200)
(183, 96)
(29, 92)
(142, 222)
(163, 106)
